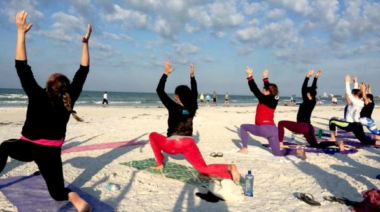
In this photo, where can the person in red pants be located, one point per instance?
(179, 135)
(305, 110)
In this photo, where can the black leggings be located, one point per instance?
(47, 158)
(356, 128)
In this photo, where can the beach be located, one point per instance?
(216, 129)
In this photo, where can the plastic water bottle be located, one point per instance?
(320, 134)
(249, 184)
(292, 138)
(112, 187)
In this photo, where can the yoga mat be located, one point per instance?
(355, 144)
(310, 149)
(173, 171)
(328, 150)
(346, 135)
(102, 146)
(30, 194)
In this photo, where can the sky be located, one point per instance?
(132, 39)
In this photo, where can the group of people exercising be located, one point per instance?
(49, 110)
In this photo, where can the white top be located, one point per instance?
(105, 96)
(356, 106)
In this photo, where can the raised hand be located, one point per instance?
(248, 71)
(86, 37)
(21, 22)
(318, 74)
(168, 68)
(192, 70)
(310, 73)
(348, 78)
(354, 78)
(265, 74)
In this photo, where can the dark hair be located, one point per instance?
(273, 89)
(370, 96)
(57, 86)
(187, 98)
(311, 91)
(357, 92)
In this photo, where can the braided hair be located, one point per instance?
(57, 87)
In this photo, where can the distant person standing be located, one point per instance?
(334, 101)
(214, 98)
(226, 100)
(208, 98)
(202, 97)
(105, 98)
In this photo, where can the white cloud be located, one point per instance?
(128, 17)
(245, 50)
(372, 45)
(298, 6)
(207, 58)
(116, 37)
(218, 34)
(185, 48)
(275, 14)
(12, 7)
(278, 34)
(254, 7)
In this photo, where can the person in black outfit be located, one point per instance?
(48, 112)
(303, 124)
(179, 135)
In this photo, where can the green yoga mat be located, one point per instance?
(173, 171)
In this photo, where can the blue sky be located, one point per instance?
(132, 39)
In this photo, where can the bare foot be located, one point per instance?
(234, 172)
(301, 153)
(281, 144)
(243, 151)
(158, 167)
(79, 203)
(340, 144)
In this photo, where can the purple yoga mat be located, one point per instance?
(30, 194)
(354, 144)
(323, 150)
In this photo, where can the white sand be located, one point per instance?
(216, 129)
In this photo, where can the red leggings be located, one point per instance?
(187, 147)
(304, 128)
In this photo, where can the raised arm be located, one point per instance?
(355, 81)
(351, 97)
(252, 85)
(28, 83)
(81, 75)
(365, 98)
(193, 82)
(22, 29)
(317, 75)
(165, 99)
(305, 83)
(369, 88)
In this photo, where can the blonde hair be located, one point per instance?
(57, 85)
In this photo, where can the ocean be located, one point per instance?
(17, 98)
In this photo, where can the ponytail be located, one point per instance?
(67, 103)
(57, 86)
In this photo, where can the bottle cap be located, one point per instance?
(249, 172)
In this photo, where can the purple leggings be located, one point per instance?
(269, 132)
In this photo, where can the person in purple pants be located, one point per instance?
(265, 126)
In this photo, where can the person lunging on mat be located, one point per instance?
(303, 124)
(352, 122)
(366, 113)
(48, 112)
(179, 135)
(265, 126)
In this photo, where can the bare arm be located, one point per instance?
(22, 29)
(369, 88)
(365, 98)
(85, 61)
